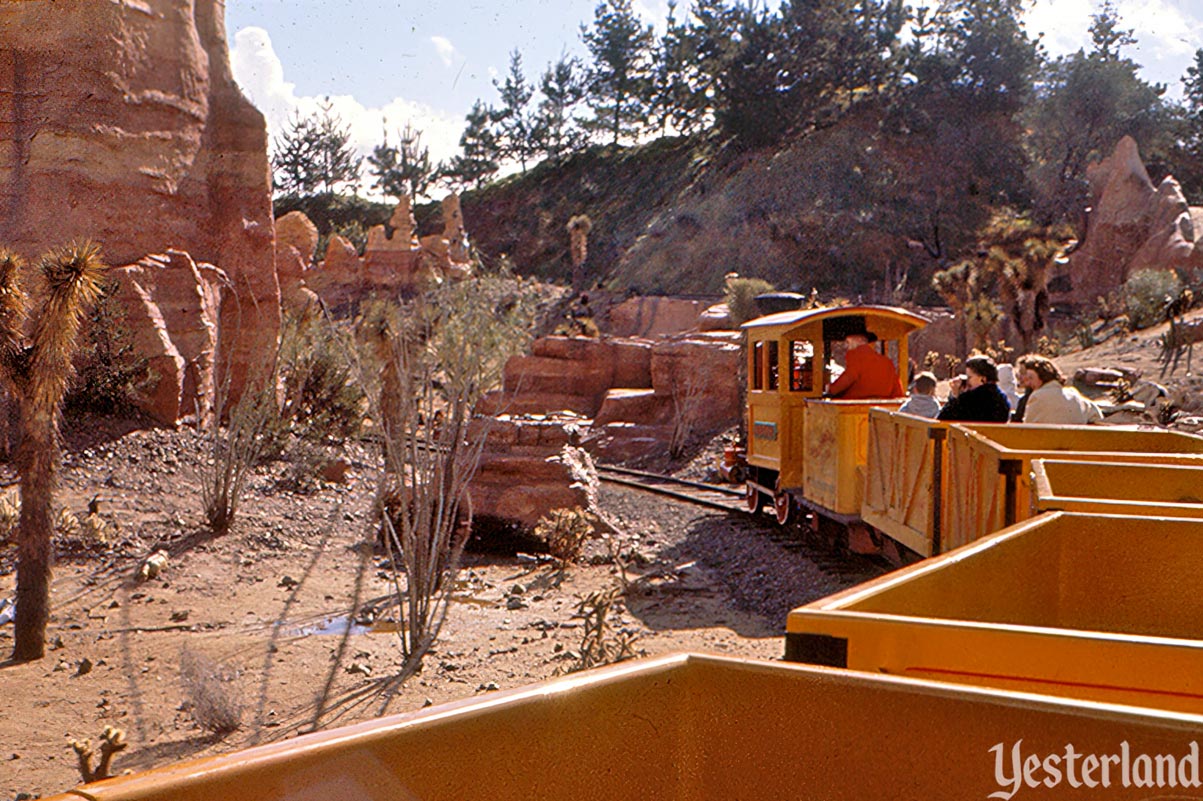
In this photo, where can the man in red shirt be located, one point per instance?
(867, 372)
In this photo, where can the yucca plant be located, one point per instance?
(37, 369)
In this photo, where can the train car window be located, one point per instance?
(802, 366)
(758, 365)
(773, 364)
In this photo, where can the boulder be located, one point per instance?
(340, 277)
(521, 476)
(716, 318)
(297, 230)
(654, 316)
(123, 124)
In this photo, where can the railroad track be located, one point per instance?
(714, 496)
(731, 499)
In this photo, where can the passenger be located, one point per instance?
(922, 402)
(1050, 400)
(1006, 382)
(976, 398)
(868, 373)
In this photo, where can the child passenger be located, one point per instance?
(922, 401)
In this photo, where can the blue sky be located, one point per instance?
(387, 63)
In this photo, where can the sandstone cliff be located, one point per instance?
(120, 121)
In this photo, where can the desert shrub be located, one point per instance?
(321, 398)
(565, 532)
(741, 298)
(600, 643)
(1048, 346)
(211, 692)
(108, 371)
(1145, 294)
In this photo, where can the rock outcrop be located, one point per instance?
(637, 393)
(167, 305)
(521, 477)
(1133, 225)
(120, 121)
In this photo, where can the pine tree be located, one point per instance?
(315, 154)
(620, 74)
(404, 168)
(479, 152)
(556, 132)
(514, 121)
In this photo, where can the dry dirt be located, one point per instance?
(267, 599)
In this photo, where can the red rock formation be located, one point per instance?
(168, 306)
(121, 122)
(520, 477)
(1132, 226)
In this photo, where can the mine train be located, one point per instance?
(862, 476)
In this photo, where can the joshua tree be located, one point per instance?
(36, 370)
(578, 235)
(958, 286)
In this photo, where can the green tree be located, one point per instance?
(404, 168)
(619, 76)
(479, 157)
(1187, 156)
(1087, 103)
(556, 132)
(1106, 35)
(514, 120)
(671, 96)
(315, 154)
(713, 42)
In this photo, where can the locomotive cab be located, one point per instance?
(803, 448)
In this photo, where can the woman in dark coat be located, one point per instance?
(978, 399)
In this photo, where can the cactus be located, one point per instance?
(37, 369)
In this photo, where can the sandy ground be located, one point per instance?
(270, 600)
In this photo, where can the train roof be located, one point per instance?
(791, 319)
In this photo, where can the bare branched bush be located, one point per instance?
(235, 447)
(435, 357)
(688, 396)
(211, 692)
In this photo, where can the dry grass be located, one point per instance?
(211, 692)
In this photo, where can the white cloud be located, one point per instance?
(445, 49)
(260, 73)
(1167, 33)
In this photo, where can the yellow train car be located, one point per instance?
(805, 450)
(990, 466)
(685, 728)
(1124, 488)
(1102, 608)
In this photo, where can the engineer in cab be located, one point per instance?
(868, 373)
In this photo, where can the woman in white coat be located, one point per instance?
(1050, 400)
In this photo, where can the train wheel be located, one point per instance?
(783, 505)
(752, 497)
